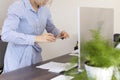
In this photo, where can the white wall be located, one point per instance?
(117, 16)
(3, 9)
(64, 14)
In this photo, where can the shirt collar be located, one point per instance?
(28, 5)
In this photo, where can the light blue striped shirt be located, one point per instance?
(21, 26)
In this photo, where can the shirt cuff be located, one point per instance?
(31, 40)
(56, 32)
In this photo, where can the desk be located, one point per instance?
(33, 73)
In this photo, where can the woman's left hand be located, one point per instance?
(63, 35)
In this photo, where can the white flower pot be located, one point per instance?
(117, 73)
(97, 73)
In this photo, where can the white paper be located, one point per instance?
(62, 77)
(73, 54)
(57, 67)
(63, 67)
(70, 66)
(51, 65)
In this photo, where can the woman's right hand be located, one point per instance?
(47, 37)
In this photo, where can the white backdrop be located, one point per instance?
(3, 10)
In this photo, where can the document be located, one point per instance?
(57, 67)
(49, 65)
(62, 77)
(73, 54)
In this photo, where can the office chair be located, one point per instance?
(3, 46)
(116, 39)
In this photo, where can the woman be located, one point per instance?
(23, 30)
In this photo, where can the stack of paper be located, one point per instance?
(62, 77)
(57, 67)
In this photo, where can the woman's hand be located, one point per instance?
(63, 35)
(48, 37)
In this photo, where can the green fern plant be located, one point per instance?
(99, 52)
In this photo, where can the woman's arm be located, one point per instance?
(9, 33)
(50, 27)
